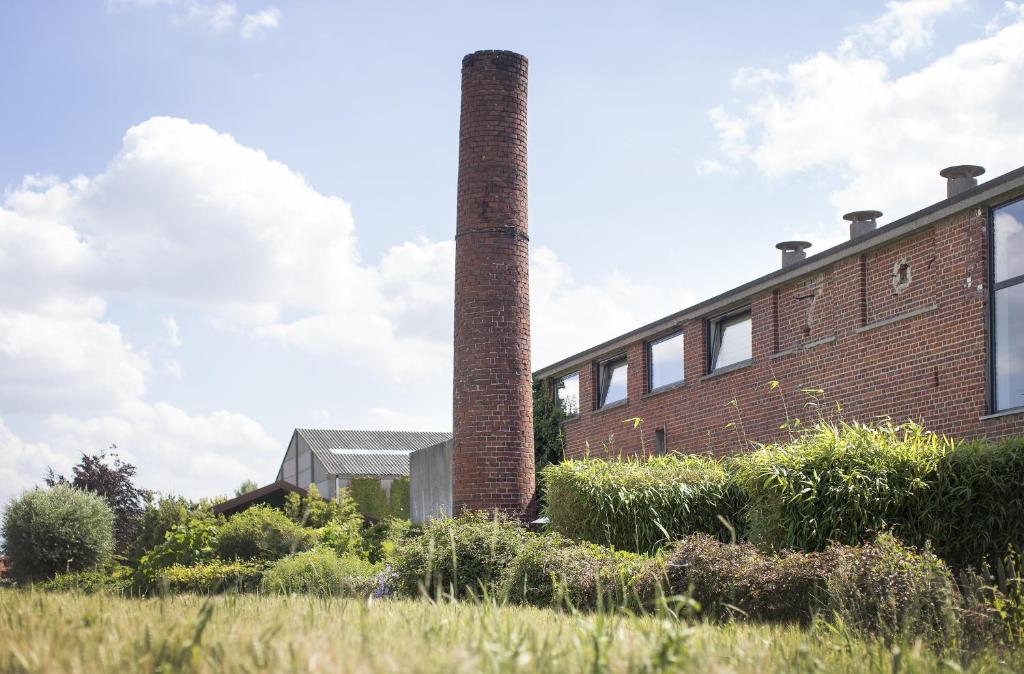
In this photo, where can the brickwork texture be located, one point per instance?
(898, 331)
(492, 465)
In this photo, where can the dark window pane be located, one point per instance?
(613, 382)
(567, 392)
(1009, 332)
(732, 341)
(666, 361)
(1009, 236)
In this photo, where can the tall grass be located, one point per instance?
(97, 634)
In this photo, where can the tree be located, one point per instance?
(246, 487)
(548, 434)
(49, 531)
(105, 475)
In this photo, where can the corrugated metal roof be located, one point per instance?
(406, 441)
(364, 462)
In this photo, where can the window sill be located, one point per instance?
(898, 317)
(728, 368)
(665, 389)
(611, 406)
(1003, 413)
(803, 347)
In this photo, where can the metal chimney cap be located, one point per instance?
(862, 216)
(793, 245)
(962, 171)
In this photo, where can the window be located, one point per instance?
(665, 361)
(730, 340)
(612, 375)
(1008, 306)
(567, 393)
(659, 442)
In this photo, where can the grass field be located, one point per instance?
(42, 632)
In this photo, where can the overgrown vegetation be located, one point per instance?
(639, 505)
(322, 573)
(548, 432)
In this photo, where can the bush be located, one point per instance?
(194, 541)
(211, 577)
(888, 589)
(158, 517)
(734, 581)
(62, 529)
(313, 511)
(116, 581)
(261, 532)
(553, 571)
(976, 509)
(639, 505)
(382, 539)
(842, 483)
(462, 556)
(370, 496)
(323, 573)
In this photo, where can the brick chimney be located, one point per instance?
(492, 465)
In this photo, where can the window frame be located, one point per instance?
(714, 338)
(554, 392)
(599, 398)
(991, 372)
(649, 355)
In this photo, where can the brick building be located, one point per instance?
(922, 319)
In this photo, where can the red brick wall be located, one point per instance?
(493, 401)
(826, 331)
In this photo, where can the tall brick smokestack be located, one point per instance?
(493, 402)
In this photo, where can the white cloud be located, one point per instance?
(253, 24)
(905, 26)
(23, 464)
(218, 17)
(885, 137)
(184, 218)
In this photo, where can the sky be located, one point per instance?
(224, 219)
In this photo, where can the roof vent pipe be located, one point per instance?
(862, 222)
(960, 178)
(793, 251)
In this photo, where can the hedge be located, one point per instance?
(375, 503)
(211, 577)
(463, 556)
(552, 571)
(262, 532)
(639, 505)
(116, 581)
(323, 573)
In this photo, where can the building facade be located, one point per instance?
(921, 319)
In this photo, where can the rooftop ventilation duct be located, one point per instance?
(960, 178)
(862, 222)
(793, 251)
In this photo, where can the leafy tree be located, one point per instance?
(106, 475)
(159, 515)
(548, 421)
(61, 529)
(246, 487)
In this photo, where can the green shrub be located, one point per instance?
(553, 571)
(211, 577)
(193, 541)
(639, 505)
(262, 532)
(975, 511)
(158, 517)
(346, 539)
(889, 589)
(461, 556)
(115, 581)
(841, 483)
(323, 573)
(314, 511)
(382, 539)
(739, 581)
(61, 529)
(370, 496)
(399, 503)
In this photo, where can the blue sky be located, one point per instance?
(223, 219)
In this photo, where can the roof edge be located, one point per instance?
(988, 193)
